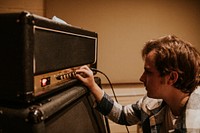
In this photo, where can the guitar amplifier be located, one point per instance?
(39, 55)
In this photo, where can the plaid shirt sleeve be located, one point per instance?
(125, 115)
(134, 113)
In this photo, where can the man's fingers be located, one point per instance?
(78, 76)
(84, 67)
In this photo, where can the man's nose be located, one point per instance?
(142, 79)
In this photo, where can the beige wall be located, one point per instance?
(34, 6)
(124, 25)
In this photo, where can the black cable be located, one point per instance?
(111, 86)
(96, 70)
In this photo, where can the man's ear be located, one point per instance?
(173, 77)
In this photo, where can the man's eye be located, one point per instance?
(148, 72)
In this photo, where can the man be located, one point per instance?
(171, 77)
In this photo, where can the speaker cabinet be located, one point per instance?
(70, 111)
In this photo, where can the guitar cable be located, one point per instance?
(111, 86)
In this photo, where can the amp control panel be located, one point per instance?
(48, 81)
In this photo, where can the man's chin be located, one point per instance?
(149, 95)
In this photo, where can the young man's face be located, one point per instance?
(154, 83)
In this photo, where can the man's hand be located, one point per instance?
(86, 76)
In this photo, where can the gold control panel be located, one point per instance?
(46, 82)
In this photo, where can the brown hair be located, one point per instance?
(174, 54)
